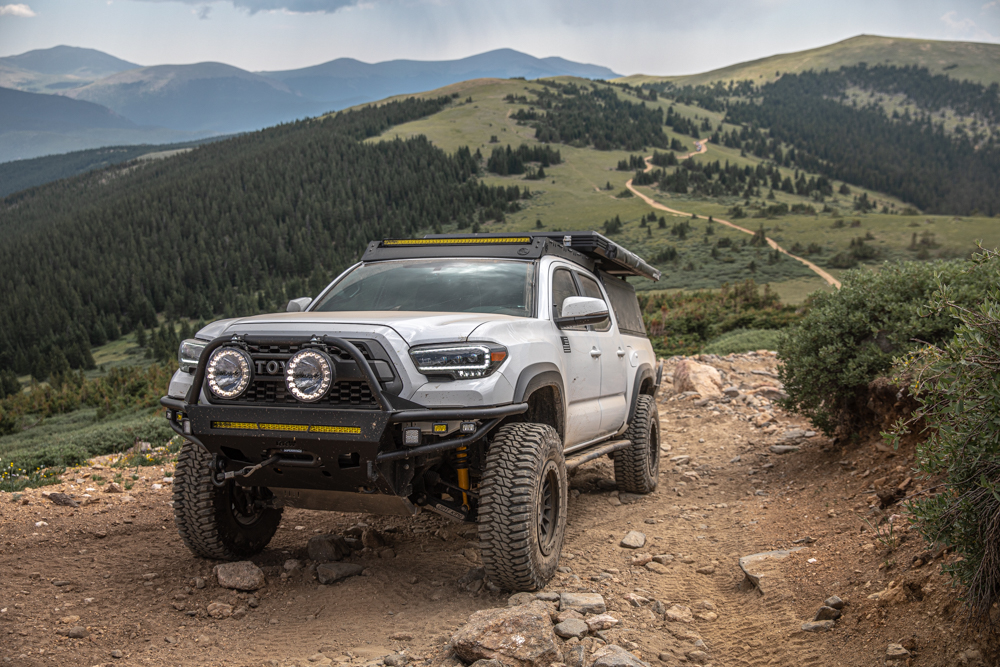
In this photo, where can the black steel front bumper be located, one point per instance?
(329, 449)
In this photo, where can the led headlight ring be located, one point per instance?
(309, 374)
(229, 372)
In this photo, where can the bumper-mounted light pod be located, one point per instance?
(460, 361)
(229, 372)
(309, 375)
(469, 428)
(411, 436)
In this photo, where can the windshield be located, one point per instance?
(503, 287)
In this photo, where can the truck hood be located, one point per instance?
(415, 328)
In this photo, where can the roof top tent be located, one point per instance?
(589, 249)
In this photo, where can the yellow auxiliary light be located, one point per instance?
(466, 241)
(300, 428)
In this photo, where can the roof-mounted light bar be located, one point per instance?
(461, 240)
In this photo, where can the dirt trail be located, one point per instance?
(703, 148)
(116, 568)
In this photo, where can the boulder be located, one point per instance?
(633, 540)
(613, 655)
(679, 613)
(896, 652)
(827, 614)
(834, 601)
(327, 548)
(240, 576)
(818, 626)
(601, 622)
(327, 573)
(692, 376)
(516, 636)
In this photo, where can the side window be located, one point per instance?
(592, 289)
(562, 287)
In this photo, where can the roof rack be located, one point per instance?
(582, 247)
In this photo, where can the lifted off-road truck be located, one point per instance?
(459, 375)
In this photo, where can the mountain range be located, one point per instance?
(163, 103)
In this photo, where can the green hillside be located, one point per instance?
(975, 61)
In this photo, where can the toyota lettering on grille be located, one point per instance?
(270, 367)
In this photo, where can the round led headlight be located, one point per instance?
(229, 372)
(309, 375)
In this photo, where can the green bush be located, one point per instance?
(850, 337)
(682, 323)
(743, 340)
(959, 391)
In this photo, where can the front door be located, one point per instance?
(614, 364)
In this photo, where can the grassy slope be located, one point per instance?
(568, 199)
(976, 61)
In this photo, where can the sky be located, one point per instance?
(663, 37)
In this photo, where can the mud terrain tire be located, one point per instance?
(209, 517)
(522, 507)
(637, 467)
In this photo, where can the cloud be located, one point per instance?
(967, 28)
(289, 6)
(24, 11)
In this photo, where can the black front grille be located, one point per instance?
(352, 393)
(269, 388)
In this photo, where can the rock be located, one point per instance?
(629, 498)
(395, 660)
(896, 652)
(692, 376)
(291, 565)
(372, 539)
(112, 488)
(69, 620)
(389, 553)
(633, 540)
(547, 596)
(575, 656)
(783, 449)
(706, 569)
(327, 548)
(707, 616)
(613, 655)
(569, 613)
(585, 603)
(636, 600)
(658, 568)
(757, 567)
(818, 626)
(77, 632)
(679, 613)
(199, 582)
(663, 559)
(241, 576)
(834, 601)
(61, 499)
(804, 540)
(731, 391)
(601, 622)
(827, 614)
(219, 610)
(327, 573)
(518, 599)
(117, 654)
(572, 627)
(681, 460)
(401, 637)
(519, 636)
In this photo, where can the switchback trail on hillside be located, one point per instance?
(703, 148)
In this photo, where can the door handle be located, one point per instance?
(595, 353)
(621, 353)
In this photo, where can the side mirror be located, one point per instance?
(581, 310)
(298, 305)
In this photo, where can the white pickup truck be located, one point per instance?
(460, 375)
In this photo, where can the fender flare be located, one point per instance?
(536, 376)
(643, 373)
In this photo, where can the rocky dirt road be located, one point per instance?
(109, 582)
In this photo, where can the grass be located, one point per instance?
(743, 340)
(72, 438)
(576, 196)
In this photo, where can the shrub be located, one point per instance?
(680, 323)
(959, 393)
(743, 340)
(849, 337)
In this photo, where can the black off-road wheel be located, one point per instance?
(522, 507)
(224, 523)
(637, 467)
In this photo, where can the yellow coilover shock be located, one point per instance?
(462, 468)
